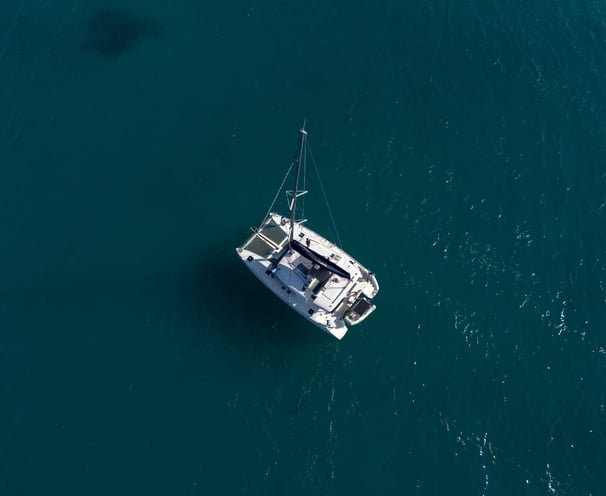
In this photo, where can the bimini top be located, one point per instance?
(319, 259)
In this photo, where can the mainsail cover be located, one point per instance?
(319, 259)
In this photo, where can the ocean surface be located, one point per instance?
(462, 146)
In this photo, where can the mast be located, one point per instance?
(293, 203)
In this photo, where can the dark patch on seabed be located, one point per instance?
(114, 32)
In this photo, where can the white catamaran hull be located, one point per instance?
(310, 274)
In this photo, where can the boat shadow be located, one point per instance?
(240, 306)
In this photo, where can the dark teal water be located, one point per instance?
(462, 146)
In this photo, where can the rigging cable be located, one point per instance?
(332, 219)
(277, 194)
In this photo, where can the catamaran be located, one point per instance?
(309, 273)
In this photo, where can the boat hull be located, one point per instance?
(325, 297)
